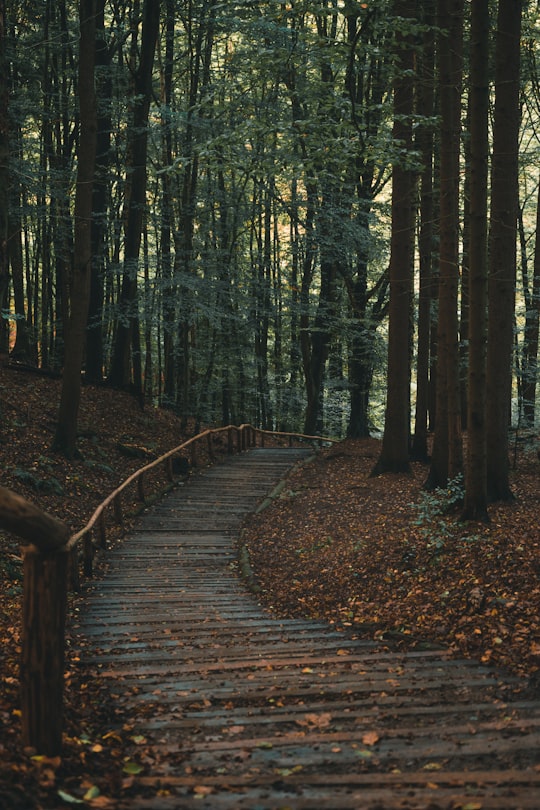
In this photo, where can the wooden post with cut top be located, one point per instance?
(45, 568)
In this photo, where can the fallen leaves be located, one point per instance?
(370, 738)
(474, 588)
(312, 721)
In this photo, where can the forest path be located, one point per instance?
(233, 708)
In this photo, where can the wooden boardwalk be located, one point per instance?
(242, 710)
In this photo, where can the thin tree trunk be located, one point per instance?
(426, 101)
(126, 362)
(65, 439)
(531, 334)
(94, 338)
(4, 182)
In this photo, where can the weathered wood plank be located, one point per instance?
(242, 710)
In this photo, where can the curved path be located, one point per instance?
(242, 710)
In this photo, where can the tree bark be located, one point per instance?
(502, 247)
(425, 140)
(4, 185)
(475, 505)
(395, 446)
(94, 339)
(65, 440)
(531, 333)
(447, 460)
(126, 360)
(42, 659)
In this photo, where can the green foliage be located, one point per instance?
(436, 514)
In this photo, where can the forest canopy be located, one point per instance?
(296, 214)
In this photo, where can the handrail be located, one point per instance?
(209, 432)
(21, 517)
(46, 564)
(74, 539)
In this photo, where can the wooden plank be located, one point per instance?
(267, 713)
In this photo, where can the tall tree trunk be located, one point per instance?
(94, 338)
(426, 102)
(395, 446)
(168, 286)
(531, 333)
(502, 246)
(4, 185)
(126, 360)
(65, 439)
(475, 506)
(447, 452)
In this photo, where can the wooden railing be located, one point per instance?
(51, 565)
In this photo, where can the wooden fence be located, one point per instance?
(52, 563)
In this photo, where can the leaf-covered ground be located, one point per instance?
(382, 552)
(373, 553)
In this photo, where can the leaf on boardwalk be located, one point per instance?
(313, 720)
(132, 768)
(67, 797)
(203, 790)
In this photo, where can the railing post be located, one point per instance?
(73, 570)
(42, 659)
(210, 442)
(141, 495)
(102, 531)
(88, 555)
(117, 508)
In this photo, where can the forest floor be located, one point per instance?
(379, 555)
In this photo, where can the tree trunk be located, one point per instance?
(502, 247)
(65, 439)
(126, 360)
(94, 338)
(4, 184)
(447, 460)
(395, 447)
(426, 99)
(475, 506)
(320, 334)
(531, 333)
(42, 660)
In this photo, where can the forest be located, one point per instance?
(316, 215)
(310, 216)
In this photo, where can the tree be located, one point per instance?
(475, 506)
(100, 203)
(426, 239)
(446, 459)
(65, 439)
(126, 361)
(394, 455)
(4, 184)
(531, 331)
(502, 246)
